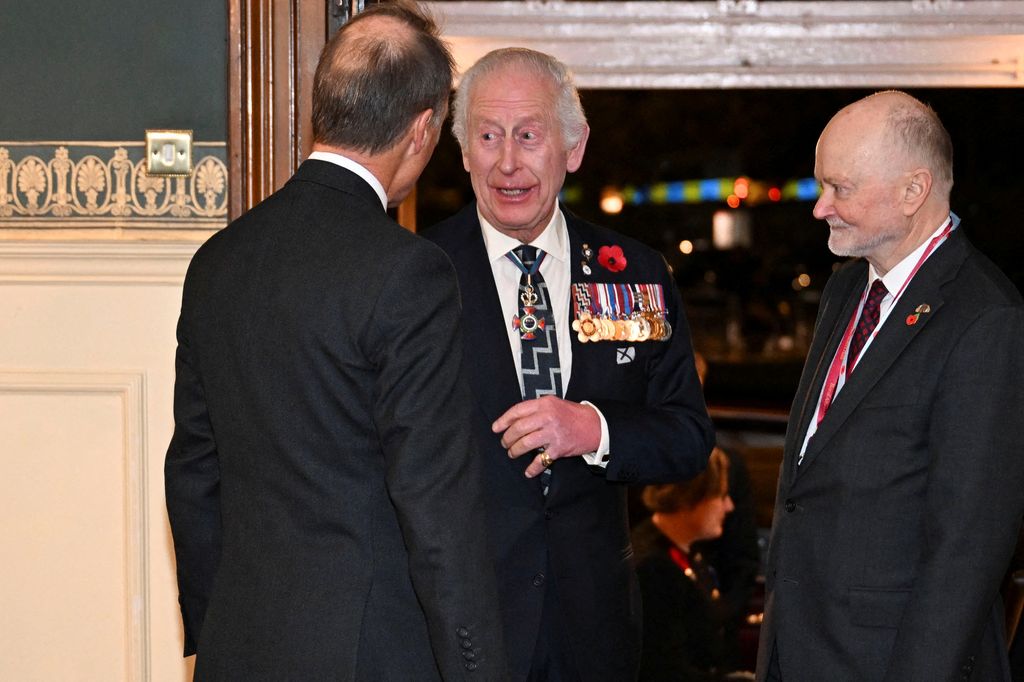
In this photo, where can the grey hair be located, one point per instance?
(917, 129)
(571, 119)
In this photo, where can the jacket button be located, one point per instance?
(538, 580)
(462, 632)
(790, 506)
(469, 655)
(471, 666)
(467, 644)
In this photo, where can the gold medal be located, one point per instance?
(585, 327)
(634, 330)
(657, 328)
(643, 328)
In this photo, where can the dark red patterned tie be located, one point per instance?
(867, 322)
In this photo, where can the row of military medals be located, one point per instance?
(620, 312)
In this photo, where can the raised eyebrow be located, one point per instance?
(532, 123)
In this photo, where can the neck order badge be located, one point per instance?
(542, 374)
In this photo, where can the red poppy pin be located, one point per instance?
(612, 258)
(922, 309)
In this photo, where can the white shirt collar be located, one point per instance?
(553, 240)
(361, 171)
(894, 279)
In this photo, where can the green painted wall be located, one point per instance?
(109, 69)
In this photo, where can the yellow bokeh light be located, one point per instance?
(611, 204)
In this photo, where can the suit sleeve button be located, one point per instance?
(790, 506)
(462, 632)
(467, 644)
(538, 580)
(469, 655)
(471, 666)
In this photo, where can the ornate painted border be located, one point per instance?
(104, 185)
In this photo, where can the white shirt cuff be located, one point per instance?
(601, 456)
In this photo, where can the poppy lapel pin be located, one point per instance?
(922, 309)
(611, 258)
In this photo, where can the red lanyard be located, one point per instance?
(838, 367)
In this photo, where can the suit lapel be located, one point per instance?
(892, 340)
(493, 369)
(834, 319)
(575, 275)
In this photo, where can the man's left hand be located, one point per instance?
(561, 427)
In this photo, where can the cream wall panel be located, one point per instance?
(72, 529)
(86, 380)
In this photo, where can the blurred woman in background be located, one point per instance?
(683, 619)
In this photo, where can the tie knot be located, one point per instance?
(877, 293)
(527, 255)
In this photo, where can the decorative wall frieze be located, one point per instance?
(105, 185)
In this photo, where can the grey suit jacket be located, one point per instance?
(322, 485)
(890, 539)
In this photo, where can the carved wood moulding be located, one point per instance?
(750, 44)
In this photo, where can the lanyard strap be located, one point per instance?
(838, 367)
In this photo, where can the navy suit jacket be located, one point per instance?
(659, 431)
(890, 540)
(326, 509)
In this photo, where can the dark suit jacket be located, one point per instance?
(890, 540)
(659, 431)
(326, 507)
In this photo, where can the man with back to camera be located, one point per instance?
(580, 358)
(902, 482)
(323, 493)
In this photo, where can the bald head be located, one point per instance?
(891, 132)
(885, 167)
(383, 68)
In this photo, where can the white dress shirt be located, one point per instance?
(896, 282)
(557, 272)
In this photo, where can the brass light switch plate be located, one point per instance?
(169, 152)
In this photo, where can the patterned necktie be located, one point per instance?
(867, 322)
(535, 322)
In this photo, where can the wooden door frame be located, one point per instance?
(273, 47)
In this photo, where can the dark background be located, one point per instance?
(746, 316)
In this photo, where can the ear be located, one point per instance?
(421, 133)
(575, 157)
(916, 190)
